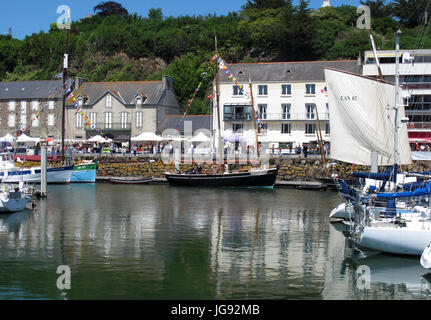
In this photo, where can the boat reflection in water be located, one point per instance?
(161, 242)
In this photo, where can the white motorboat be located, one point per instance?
(11, 174)
(14, 198)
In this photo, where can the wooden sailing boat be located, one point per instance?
(257, 177)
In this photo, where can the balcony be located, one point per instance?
(293, 116)
(107, 127)
(419, 126)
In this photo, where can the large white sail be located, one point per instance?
(362, 120)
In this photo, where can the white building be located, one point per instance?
(415, 79)
(289, 99)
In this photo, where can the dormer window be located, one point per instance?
(109, 101)
(139, 101)
(80, 102)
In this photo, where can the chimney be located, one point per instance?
(78, 82)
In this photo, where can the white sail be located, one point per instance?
(362, 120)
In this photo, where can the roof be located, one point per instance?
(286, 71)
(29, 89)
(198, 122)
(124, 91)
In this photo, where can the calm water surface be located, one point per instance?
(161, 242)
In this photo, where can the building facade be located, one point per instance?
(290, 100)
(119, 110)
(21, 101)
(415, 80)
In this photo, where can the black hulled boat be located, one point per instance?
(252, 178)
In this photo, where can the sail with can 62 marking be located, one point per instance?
(362, 120)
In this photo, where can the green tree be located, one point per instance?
(109, 8)
(411, 13)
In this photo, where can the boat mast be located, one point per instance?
(65, 67)
(217, 80)
(254, 118)
(397, 95)
(375, 56)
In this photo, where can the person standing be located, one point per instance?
(305, 149)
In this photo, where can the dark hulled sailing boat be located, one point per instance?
(256, 177)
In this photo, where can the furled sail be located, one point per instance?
(362, 120)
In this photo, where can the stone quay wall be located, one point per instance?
(291, 169)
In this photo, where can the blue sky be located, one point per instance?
(26, 17)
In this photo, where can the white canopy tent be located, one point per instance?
(147, 136)
(99, 139)
(201, 137)
(7, 138)
(25, 139)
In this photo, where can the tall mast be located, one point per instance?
(397, 95)
(254, 117)
(375, 56)
(65, 67)
(220, 144)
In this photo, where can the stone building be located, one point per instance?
(20, 102)
(120, 110)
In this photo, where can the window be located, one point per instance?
(23, 106)
(286, 128)
(139, 119)
(310, 107)
(327, 111)
(108, 120)
(51, 105)
(78, 120)
(310, 89)
(11, 121)
(80, 102)
(93, 117)
(139, 101)
(12, 105)
(285, 110)
(263, 90)
(328, 128)
(237, 112)
(286, 89)
(23, 121)
(263, 127)
(51, 119)
(238, 90)
(238, 127)
(108, 101)
(124, 120)
(35, 122)
(35, 105)
(262, 111)
(310, 128)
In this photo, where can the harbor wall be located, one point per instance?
(291, 169)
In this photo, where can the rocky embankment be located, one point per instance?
(291, 169)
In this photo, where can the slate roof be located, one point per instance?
(29, 89)
(286, 71)
(124, 91)
(198, 121)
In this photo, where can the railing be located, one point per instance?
(278, 117)
(419, 125)
(111, 127)
(416, 85)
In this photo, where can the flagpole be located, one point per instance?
(64, 92)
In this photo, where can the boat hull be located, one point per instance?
(61, 175)
(84, 173)
(130, 181)
(261, 178)
(13, 205)
(405, 241)
(426, 257)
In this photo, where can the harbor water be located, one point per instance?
(159, 242)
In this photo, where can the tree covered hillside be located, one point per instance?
(115, 45)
